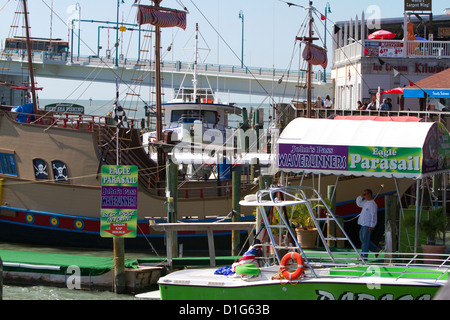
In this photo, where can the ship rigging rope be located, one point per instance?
(303, 26)
(110, 68)
(229, 47)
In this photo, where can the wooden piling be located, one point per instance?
(119, 264)
(236, 214)
(265, 181)
(172, 201)
(254, 169)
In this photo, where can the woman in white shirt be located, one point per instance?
(328, 102)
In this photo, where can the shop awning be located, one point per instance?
(420, 93)
(401, 149)
(436, 86)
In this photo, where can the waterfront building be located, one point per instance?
(363, 67)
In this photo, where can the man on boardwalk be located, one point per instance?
(367, 220)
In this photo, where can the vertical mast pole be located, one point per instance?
(309, 95)
(194, 80)
(158, 90)
(30, 61)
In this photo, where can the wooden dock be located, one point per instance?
(75, 271)
(171, 230)
(92, 273)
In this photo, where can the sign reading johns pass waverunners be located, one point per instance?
(119, 201)
(328, 158)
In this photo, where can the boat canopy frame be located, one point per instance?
(279, 198)
(343, 146)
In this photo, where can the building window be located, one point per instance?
(59, 171)
(40, 169)
(8, 164)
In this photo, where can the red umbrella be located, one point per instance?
(381, 34)
(393, 91)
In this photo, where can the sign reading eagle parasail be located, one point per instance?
(119, 201)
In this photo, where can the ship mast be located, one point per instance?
(160, 154)
(310, 40)
(30, 61)
(194, 80)
(159, 17)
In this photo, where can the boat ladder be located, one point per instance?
(279, 204)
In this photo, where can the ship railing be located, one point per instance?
(68, 120)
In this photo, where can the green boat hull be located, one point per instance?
(303, 290)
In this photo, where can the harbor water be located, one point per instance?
(32, 292)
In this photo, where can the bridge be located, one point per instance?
(220, 78)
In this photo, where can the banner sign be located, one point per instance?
(374, 48)
(350, 158)
(417, 5)
(119, 201)
(383, 159)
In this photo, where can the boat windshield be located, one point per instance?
(189, 116)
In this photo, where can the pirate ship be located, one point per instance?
(51, 169)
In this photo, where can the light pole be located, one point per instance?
(241, 16)
(327, 10)
(117, 34)
(78, 8)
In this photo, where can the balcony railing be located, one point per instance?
(392, 49)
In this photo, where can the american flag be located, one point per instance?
(161, 17)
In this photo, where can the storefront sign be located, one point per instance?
(119, 201)
(417, 5)
(444, 31)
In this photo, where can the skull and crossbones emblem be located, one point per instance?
(41, 170)
(59, 172)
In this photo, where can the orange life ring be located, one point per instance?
(286, 261)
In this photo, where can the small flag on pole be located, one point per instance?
(396, 73)
(322, 17)
(119, 116)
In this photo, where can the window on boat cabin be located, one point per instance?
(207, 116)
(8, 164)
(40, 169)
(59, 171)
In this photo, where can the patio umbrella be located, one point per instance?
(393, 91)
(381, 34)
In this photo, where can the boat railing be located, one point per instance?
(276, 201)
(346, 264)
(279, 203)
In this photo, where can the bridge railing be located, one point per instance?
(168, 66)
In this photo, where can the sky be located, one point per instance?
(270, 27)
